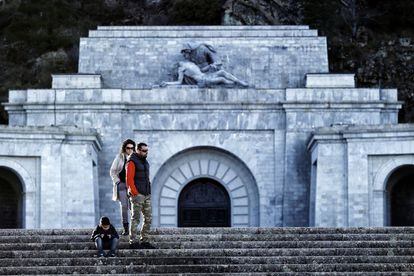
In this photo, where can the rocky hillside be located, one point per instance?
(374, 40)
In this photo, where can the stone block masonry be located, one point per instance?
(252, 141)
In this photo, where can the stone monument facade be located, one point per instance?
(295, 146)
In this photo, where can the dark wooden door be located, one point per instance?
(402, 202)
(9, 206)
(204, 203)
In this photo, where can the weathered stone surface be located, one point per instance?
(218, 250)
(143, 57)
(76, 81)
(360, 172)
(253, 141)
(55, 185)
(330, 80)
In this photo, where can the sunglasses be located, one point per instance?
(131, 148)
(143, 150)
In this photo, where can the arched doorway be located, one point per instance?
(215, 164)
(11, 200)
(204, 203)
(400, 188)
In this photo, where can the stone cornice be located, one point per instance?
(68, 134)
(309, 105)
(341, 134)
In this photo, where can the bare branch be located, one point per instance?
(345, 3)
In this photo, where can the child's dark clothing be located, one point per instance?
(99, 231)
(105, 242)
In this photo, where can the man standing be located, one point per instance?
(139, 189)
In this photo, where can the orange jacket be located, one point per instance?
(130, 175)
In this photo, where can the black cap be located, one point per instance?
(105, 221)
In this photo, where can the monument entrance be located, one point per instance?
(401, 193)
(204, 203)
(10, 200)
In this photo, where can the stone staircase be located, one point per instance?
(216, 251)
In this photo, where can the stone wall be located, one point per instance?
(55, 168)
(265, 128)
(264, 56)
(366, 156)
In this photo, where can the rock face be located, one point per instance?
(234, 251)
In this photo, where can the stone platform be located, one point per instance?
(216, 251)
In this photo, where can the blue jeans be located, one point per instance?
(101, 245)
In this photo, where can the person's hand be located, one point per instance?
(140, 198)
(102, 235)
(109, 236)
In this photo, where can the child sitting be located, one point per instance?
(105, 237)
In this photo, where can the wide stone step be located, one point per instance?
(207, 34)
(281, 274)
(221, 244)
(286, 230)
(227, 230)
(111, 269)
(88, 261)
(219, 237)
(140, 253)
(219, 251)
(206, 28)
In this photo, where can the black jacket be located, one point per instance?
(99, 231)
(141, 179)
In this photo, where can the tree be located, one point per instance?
(269, 12)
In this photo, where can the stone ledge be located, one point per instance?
(223, 230)
(203, 33)
(346, 128)
(197, 28)
(163, 96)
(336, 94)
(303, 106)
(330, 80)
(49, 129)
(369, 132)
(188, 95)
(17, 96)
(76, 81)
(71, 134)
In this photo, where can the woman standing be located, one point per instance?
(118, 175)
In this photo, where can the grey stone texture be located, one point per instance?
(56, 167)
(76, 81)
(330, 80)
(215, 251)
(254, 141)
(140, 57)
(358, 161)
